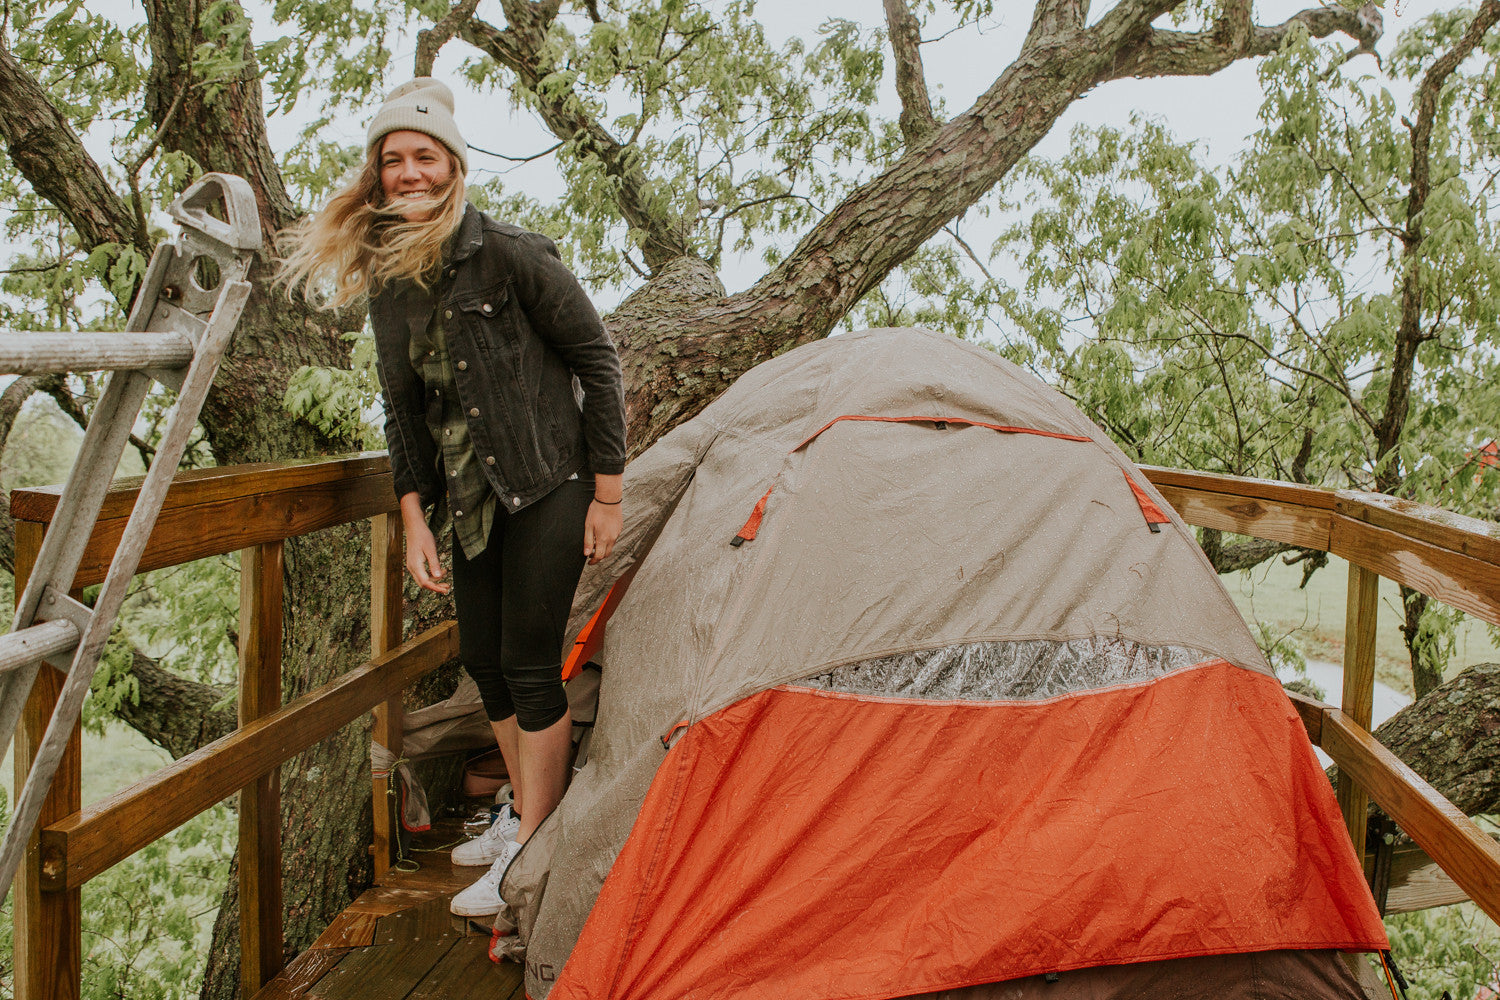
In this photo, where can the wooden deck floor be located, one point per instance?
(398, 941)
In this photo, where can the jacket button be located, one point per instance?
(473, 411)
(453, 274)
(489, 460)
(515, 501)
(487, 308)
(463, 366)
(447, 314)
(458, 513)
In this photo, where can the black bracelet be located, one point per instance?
(609, 503)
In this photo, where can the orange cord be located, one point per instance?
(1390, 980)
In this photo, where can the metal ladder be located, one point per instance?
(177, 333)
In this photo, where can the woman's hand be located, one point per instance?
(421, 548)
(602, 526)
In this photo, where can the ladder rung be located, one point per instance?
(18, 649)
(23, 352)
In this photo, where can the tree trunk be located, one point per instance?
(1451, 737)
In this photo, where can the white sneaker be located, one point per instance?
(490, 844)
(482, 899)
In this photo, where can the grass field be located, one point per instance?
(110, 762)
(1314, 618)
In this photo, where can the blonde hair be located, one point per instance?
(357, 243)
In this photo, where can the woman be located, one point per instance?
(484, 340)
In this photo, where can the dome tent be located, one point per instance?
(914, 684)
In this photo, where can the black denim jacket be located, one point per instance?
(538, 377)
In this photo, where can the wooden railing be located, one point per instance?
(1447, 556)
(254, 509)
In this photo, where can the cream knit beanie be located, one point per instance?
(422, 105)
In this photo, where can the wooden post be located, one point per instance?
(260, 801)
(1359, 688)
(48, 925)
(387, 576)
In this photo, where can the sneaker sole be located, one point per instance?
(472, 912)
(484, 863)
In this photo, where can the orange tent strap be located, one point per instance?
(940, 422)
(752, 524)
(592, 636)
(1154, 516)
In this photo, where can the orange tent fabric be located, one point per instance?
(816, 844)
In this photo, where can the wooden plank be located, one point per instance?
(207, 529)
(302, 974)
(261, 577)
(82, 845)
(387, 605)
(350, 929)
(1277, 520)
(466, 971)
(1310, 710)
(27, 352)
(1470, 858)
(48, 925)
(206, 486)
(384, 972)
(1292, 494)
(1458, 580)
(1467, 535)
(1361, 615)
(1419, 883)
(428, 920)
(383, 899)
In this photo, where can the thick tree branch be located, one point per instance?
(1464, 764)
(1233, 37)
(56, 387)
(222, 121)
(905, 33)
(1228, 557)
(1409, 333)
(44, 147)
(11, 401)
(521, 49)
(430, 40)
(173, 712)
(1057, 18)
(884, 221)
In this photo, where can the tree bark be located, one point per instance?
(173, 712)
(1228, 557)
(1451, 737)
(44, 147)
(11, 401)
(905, 33)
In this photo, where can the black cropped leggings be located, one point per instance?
(513, 602)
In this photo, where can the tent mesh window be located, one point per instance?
(1030, 670)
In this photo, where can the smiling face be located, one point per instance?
(412, 164)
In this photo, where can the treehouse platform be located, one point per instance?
(398, 941)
